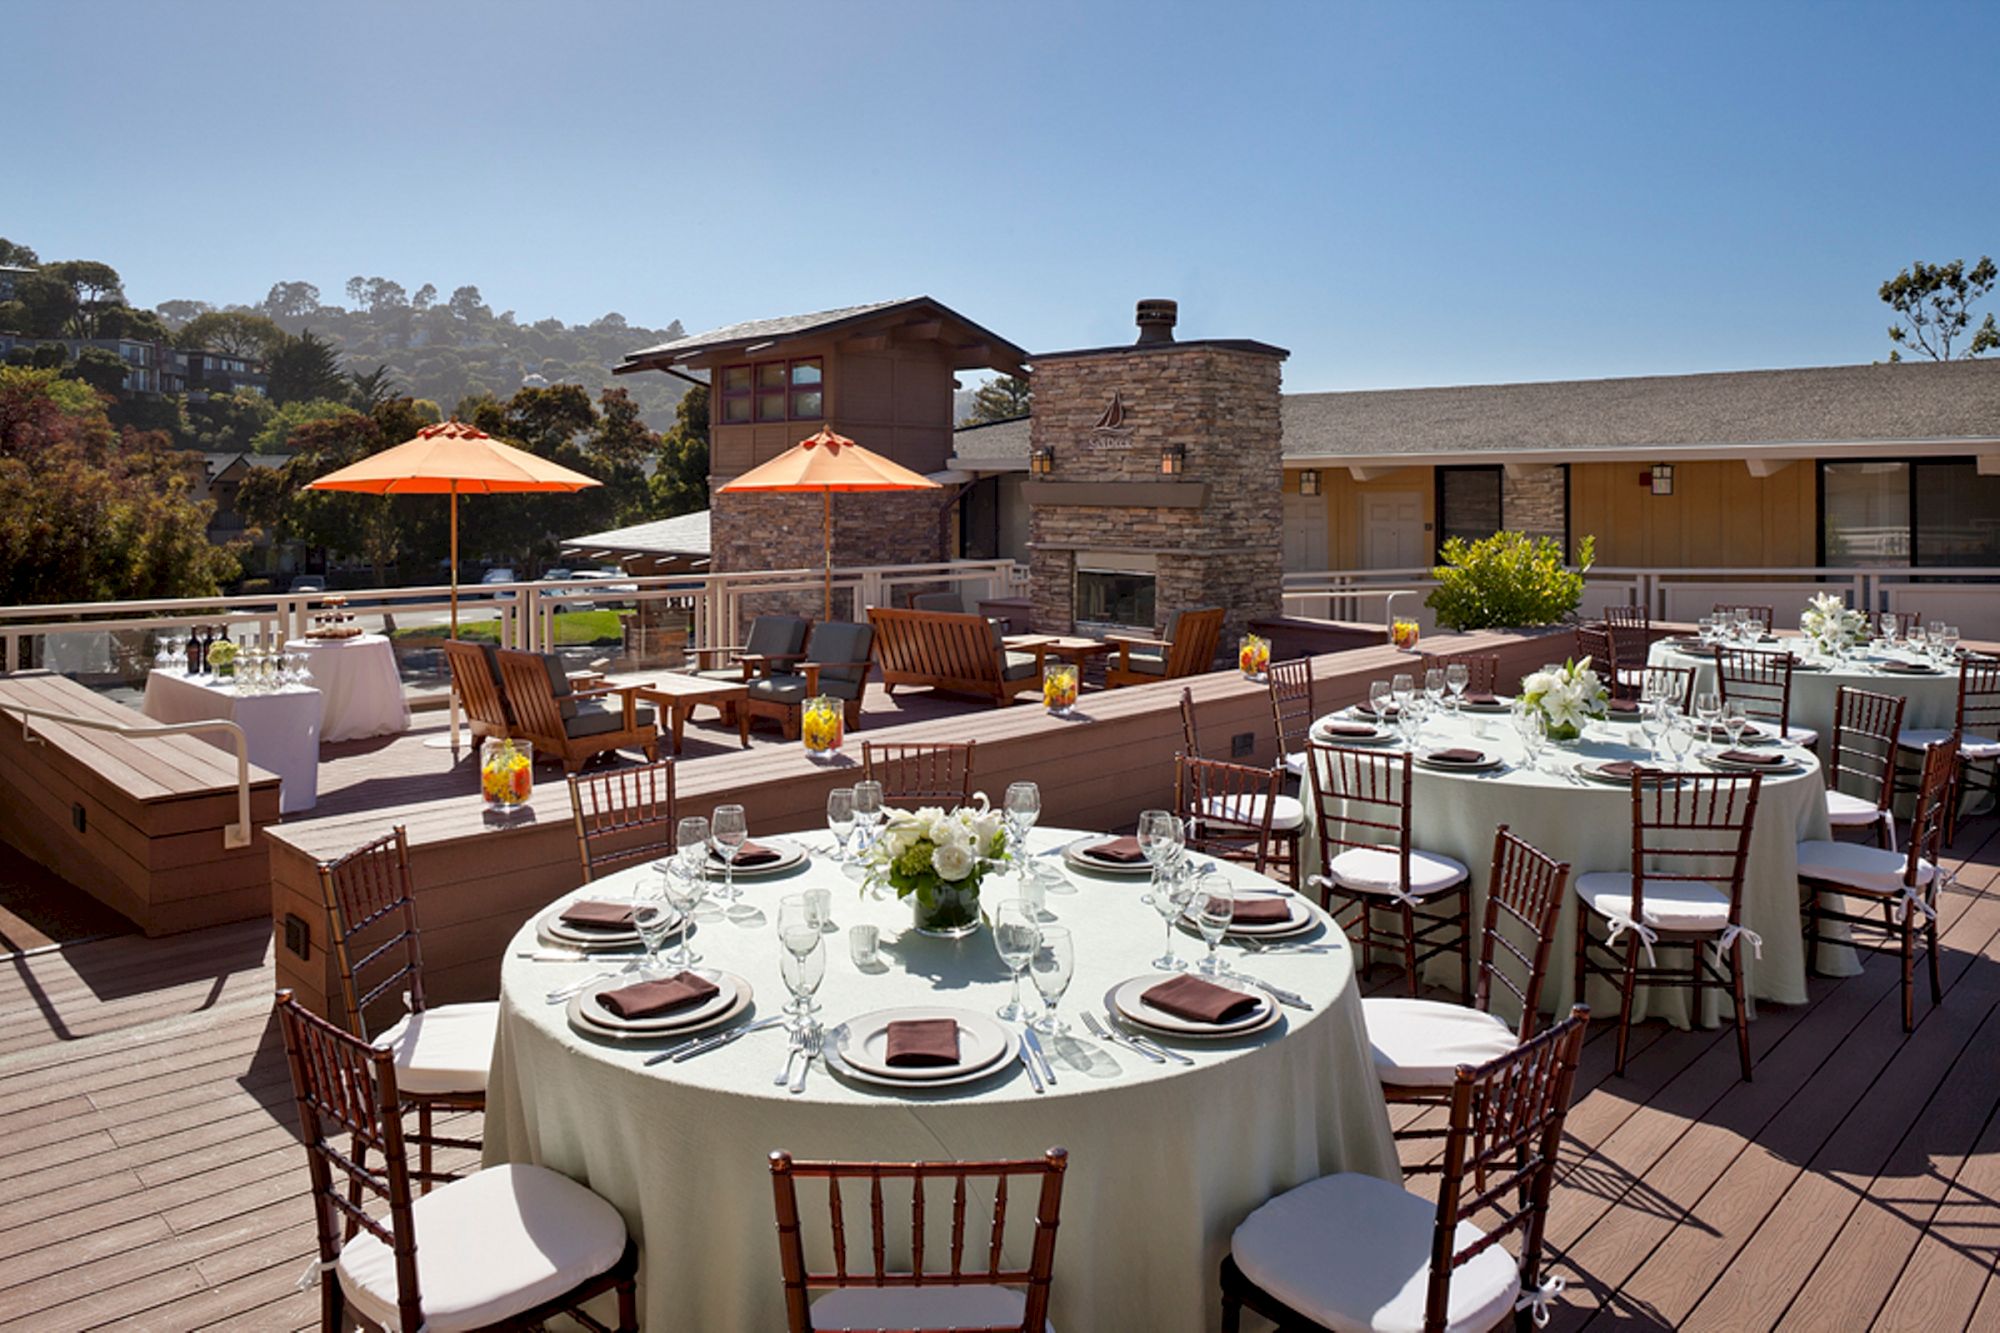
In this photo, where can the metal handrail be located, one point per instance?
(233, 835)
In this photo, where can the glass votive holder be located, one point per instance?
(819, 902)
(864, 944)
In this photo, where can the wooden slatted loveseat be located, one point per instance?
(951, 651)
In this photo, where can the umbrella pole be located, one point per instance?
(454, 610)
(826, 519)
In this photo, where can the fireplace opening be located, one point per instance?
(1114, 599)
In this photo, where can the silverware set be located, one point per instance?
(805, 1047)
(687, 1050)
(1109, 1030)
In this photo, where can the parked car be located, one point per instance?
(307, 583)
(608, 581)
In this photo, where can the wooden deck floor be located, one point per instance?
(149, 1177)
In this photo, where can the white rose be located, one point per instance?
(985, 827)
(1537, 683)
(952, 861)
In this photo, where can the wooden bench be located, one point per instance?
(137, 823)
(946, 651)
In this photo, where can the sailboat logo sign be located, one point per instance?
(1110, 432)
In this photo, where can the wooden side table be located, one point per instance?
(677, 696)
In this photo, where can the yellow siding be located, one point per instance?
(1343, 493)
(1718, 516)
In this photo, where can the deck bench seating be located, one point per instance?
(951, 651)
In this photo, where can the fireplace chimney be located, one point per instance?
(1156, 322)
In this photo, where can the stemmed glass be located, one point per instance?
(731, 829)
(1889, 628)
(1705, 629)
(1434, 687)
(1015, 935)
(867, 814)
(1403, 689)
(1734, 721)
(803, 960)
(1948, 643)
(1456, 677)
(1708, 708)
(691, 847)
(840, 819)
(1214, 899)
(1653, 723)
(1534, 731)
(1380, 696)
(1020, 808)
(1171, 895)
(1053, 966)
(1680, 739)
(649, 917)
(1158, 830)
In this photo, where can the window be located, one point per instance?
(1931, 512)
(1957, 513)
(1468, 503)
(773, 391)
(1864, 514)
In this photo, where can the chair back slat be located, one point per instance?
(1861, 757)
(1525, 887)
(1190, 735)
(1630, 617)
(623, 815)
(914, 775)
(1292, 713)
(1482, 669)
(1978, 698)
(537, 713)
(1195, 635)
(1226, 809)
(478, 689)
(371, 915)
(1361, 798)
(1937, 790)
(1692, 828)
(1759, 680)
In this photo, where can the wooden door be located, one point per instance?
(1305, 534)
(1392, 531)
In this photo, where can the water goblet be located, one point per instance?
(691, 846)
(1456, 677)
(1402, 689)
(1708, 708)
(653, 922)
(730, 828)
(1020, 808)
(1889, 626)
(685, 889)
(1053, 967)
(1434, 686)
(800, 934)
(299, 667)
(1935, 633)
(840, 819)
(1015, 935)
(1948, 643)
(1705, 629)
(1680, 740)
(1155, 836)
(1170, 899)
(867, 814)
(1214, 900)
(1653, 723)
(1380, 696)
(1735, 720)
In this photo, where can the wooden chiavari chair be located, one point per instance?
(1762, 615)
(623, 815)
(1352, 1251)
(1976, 728)
(1762, 682)
(1482, 670)
(1906, 621)
(1418, 1044)
(493, 1244)
(1634, 618)
(1861, 766)
(1240, 814)
(918, 775)
(1190, 735)
(1608, 652)
(1291, 687)
(1690, 844)
(441, 1054)
(975, 1297)
(1904, 886)
(1362, 806)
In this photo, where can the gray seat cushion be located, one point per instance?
(775, 636)
(491, 653)
(595, 719)
(1148, 660)
(937, 601)
(841, 641)
(559, 683)
(1020, 666)
(779, 689)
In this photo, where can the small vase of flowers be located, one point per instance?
(1831, 626)
(1567, 697)
(1253, 656)
(937, 859)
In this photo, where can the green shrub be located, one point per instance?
(1508, 579)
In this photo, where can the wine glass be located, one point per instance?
(1020, 808)
(1015, 935)
(652, 920)
(840, 819)
(804, 959)
(1380, 696)
(1214, 901)
(1170, 899)
(1434, 686)
(1533, 729)
(1456, 677)
(1935, 633)
(1053, 966)
(691, 846)
(1888, 624)
(1734, 720)
(1653, 724)
(1708, 707)
(1402, 689)
(730, 828)
(1680, 739)
(1705, 629)
(1154, 835)
(1948, 643)
(685, 889)
(867, 814)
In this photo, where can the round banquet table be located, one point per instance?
(1164, 1160)
(1589, 824)
(1931, 699)
(364, 694)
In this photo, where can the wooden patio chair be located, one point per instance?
(623, 815)
(1190, 734)
(1362, 808)
(1482, 671)
(1976, 728)
(441, 1055)
(1903, 885)
(1239, 813)
(569, 724)
(1861, 763)
(1418, 1044)
(475, 675)
(1762, 682)
(774, 643)
(953, 652)
(1187, 650)
(1353, 1251)
(509, 1247)
(1684, 890)
(836, 666)
(1292, 710)
(968, 1292)
(913, 775)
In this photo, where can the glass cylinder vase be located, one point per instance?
(507, 776)
(822, 722)
(1403, 634)
(952, 913)
(1059, 688)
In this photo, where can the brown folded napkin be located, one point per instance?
(648, 998)
(1762, 758)
(1260, 912)
(1199, 1001)
(1125, 851)
(1346, 728)
(1368, 710)
(923, 1043)
(1906, 668)
(749, 854)
(1481, 697)
(1457, 756)
(1624, 706)
(598, 915)
(1618, 768)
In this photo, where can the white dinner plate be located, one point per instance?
(1595, 772)
(1376, 734)
(1125, 998)
(791, 855)
(862, 1043)
(1302, 919)
(848, 1071)
(1753, 734)
(1075, 853)
(551, 930)
(1735, 766)
(1486, 765)
(732, 997)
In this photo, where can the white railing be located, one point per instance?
(233, 835)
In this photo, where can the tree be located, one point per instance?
(302, 368)
(291, 299)
(17, 256)
(374, 527)
(425, 298)
(680, 479)
(123, 321)
(93, 288)
(177, 313)
(274, 434)
(374, 388)
(1937, 301)
(100, 368)
(227, 423)
(1000, 399)
(232, 333)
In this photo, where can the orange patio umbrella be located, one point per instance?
(452, 458)
(827, 463)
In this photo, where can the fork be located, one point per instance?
(814, 1037)
(1099, 1031)
(577, 988)
(798, 1043)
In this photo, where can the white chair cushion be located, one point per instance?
(1670, 904)
(1374, 870)
(1354, 1253)
(1799, 735)
(447, 1049)
(1421, 1043)
(1287, 814)
(490, 1246)
(1295, 764)
(1973, 746)
(1855, 866)
(920, 1307)
(1851, 811)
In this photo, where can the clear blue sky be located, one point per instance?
(1400, 193)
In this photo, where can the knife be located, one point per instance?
(703, 1045)
(1034, 1075)
(1278, 993)
(1034, 1043)
(1147, 1043)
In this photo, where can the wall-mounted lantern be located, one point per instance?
(1173, 460)
(1663, 478)
(1042, 461)
(1309, 481)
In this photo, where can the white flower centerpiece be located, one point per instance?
(1567, 697)
(1831, 626)
(936, 859)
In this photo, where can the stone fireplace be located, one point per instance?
(1156, 482)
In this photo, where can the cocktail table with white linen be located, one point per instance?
(364, 695)
(1165, 1159)
(280, 729)
(1932, 694)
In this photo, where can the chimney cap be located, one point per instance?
(1156, 318)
